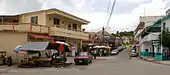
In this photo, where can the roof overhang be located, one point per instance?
(140, 26)
(59, 12)
(39, 36)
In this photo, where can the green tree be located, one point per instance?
(165, 38)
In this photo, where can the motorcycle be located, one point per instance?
(9, 61)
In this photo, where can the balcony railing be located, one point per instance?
(25, 27)
(55, 31)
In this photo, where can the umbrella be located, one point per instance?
(23, 52)
(99, 47)
(17, 48)
(61, 46)
(62, 43)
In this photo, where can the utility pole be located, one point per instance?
(103, 35)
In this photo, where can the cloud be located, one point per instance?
(18, 6)
(125, 16)
(126, 6)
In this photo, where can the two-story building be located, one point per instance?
(143, 41)
(43, 25)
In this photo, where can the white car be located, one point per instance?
(114, 52)
(134, 53)
(120, 48)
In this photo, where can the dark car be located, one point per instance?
(83, 58)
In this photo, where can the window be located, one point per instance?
(69, 26)
(74, 26)
(168, 13)
(56, 21)
(34, 20)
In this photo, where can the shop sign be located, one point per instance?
(155, 42)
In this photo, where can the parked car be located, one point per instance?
(124, 47)
(120, 48)
(83, 58)
(134, 53)
(114, 52)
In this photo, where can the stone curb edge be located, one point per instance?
(153, 61)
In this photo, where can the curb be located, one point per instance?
(154, 61)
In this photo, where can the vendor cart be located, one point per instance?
(34, 59)
(40, 47)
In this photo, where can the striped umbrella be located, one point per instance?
(61, 46)
(17, 48)
(23, 52)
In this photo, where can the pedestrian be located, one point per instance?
(130, 54)
(105, 52)
(94, 54)
(9, 60)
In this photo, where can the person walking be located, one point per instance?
(94, 54)
(130, 54)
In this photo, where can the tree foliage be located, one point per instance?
(130, 33)
(165, 38)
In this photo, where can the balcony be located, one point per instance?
(150, 37)
(24, 27)
(55, 31)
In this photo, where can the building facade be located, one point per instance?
(43, 25)
(143, 38)
(149, 38)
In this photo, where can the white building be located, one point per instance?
(143, 38)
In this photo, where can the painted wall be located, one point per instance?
(10, 40)
(26, 18)
(47, 19)
(147, 45)
(64, 22)
(149, 20)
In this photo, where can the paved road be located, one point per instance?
(115, 65)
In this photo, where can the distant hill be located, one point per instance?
(129, 33)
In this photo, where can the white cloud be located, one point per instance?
(93, 10)
(126, 21)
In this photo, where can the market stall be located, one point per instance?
(42, 53)
(102, 50)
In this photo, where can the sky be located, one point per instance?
(125, 15)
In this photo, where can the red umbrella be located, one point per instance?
(61, 46)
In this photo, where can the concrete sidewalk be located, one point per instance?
(152, 59)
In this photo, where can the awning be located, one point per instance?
(39, 36)
(156, 27)
(42, 46)
(165, 18)
(35, 46)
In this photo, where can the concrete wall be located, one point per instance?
(9, 40)
(168, 12)
(26, 18)
(167, 23)
(147, 45)
(64, 22)
(149, 20)
(44, 19)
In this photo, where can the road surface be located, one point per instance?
(114, 65)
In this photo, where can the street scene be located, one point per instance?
(84, 37)
(118, 65)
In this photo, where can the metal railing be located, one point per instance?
(25, 27)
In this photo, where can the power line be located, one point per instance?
(107, 24)
(108, 7)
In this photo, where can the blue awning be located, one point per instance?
(34, 46)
